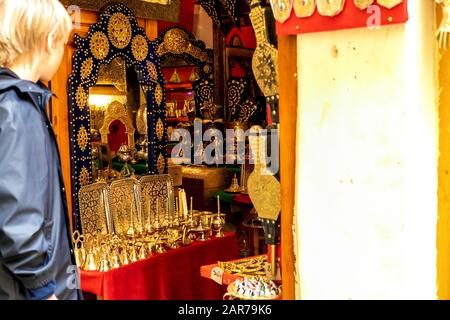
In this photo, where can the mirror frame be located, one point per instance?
(115, 34)
(177, 42)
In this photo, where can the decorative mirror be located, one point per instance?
(187, 66)
(116, 98)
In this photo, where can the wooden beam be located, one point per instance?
(287, 51)
(219, 66)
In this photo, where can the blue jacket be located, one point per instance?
(36, 255)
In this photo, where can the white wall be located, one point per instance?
(367, 161)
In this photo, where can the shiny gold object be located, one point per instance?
(152, 71)
(234, 188)
(154, 187)
(362, 4)
(117, 111)
(161, 164)
(86, 68)
(104, 264)
(444, 29)
(177, 41)
(139, 48)
(78, 245)
(158, 94)
(84, 176)
(281, 8)
(330, 8)
(389, 3)
(81, 98)
(265, 57)
(305, 8)
(263, 188)
(246, 267)
(90, 263)
(119, 30)
(82, 138)
(115, 260)
(99, 45)
(175, 77)
(94, 209)
(122, 194)
(159, 129)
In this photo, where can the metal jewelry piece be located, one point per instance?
(281, 8)
(330, 8)
(304, 8)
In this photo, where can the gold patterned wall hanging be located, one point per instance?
(330, 8)
(94, 209)
(84, 176)
(86, 68)
(281, 8)
(99, 45)
(82, 138)
(119, 30)
(265, 57)
(159, 129)
(363, 4)
(81, 98)
(304, 8)
(230, 8)
(389, 3)
(139, 47)
(236, 89)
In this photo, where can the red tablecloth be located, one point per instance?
(174, 275)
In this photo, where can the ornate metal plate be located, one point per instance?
(124, 198)
(94, 210)
(157, 186)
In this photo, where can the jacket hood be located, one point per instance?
(10, 80)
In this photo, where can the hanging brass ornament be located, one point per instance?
(389, 3)
(281, 9)
(304, 8)
(362, 4)
(265, 57)
(444, 28)
(330, 8)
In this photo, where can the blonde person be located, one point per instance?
(35, 251)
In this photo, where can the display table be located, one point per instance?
(174, 275)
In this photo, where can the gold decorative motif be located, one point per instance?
(152, 71)
(84, 177)
(207, 69)
(119, 30)
(159, 129)
(124, 197)
(81, 98)
(265, 57)
(305, 8)
(161, 164)
(86, 68)
(281, 8)
(362, 4)
(82, 138)
(330, 8)
(94, 210)
(139, 48)
(389, 3)
(99, 45)
(117, 111)
(158, 94)
(157, 187)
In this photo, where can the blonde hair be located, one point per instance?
(26, 24)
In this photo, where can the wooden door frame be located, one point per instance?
(288, 110)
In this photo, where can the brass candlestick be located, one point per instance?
(218, 222)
